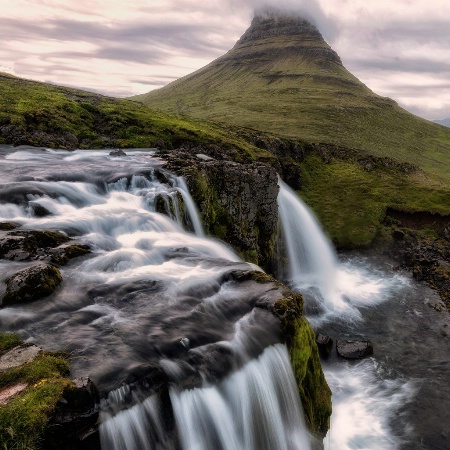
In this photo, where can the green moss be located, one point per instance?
(31, 284)
(24, 417)
(97, 121)
(351, 202)
(8, 341)
(300, 339)
(314, 390)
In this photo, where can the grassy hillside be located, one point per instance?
(53, 116)
(349, 190)
(282, 77)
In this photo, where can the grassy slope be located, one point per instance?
(96, 120)
(275, 85)
(294, 85)
(24, 417)
(349, 200)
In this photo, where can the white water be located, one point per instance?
(148, 291)
(256, 408)
(339, 289)
(364, 400)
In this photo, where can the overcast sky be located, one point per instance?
(400, 49)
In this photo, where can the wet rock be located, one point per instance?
(19, 355)
(7, 226)
(324, 344)
(74, 421)
(39, 211)
(354, 349)
(118, 152)
(32, 283)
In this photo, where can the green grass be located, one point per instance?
(8, 341)
(98, 121)
(351, 202)
(24, 417)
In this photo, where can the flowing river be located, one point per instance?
(400, 397)
(155, 293)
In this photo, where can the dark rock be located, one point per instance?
(7, 226)
(238, 204)
(74, 421)
(354, 349)
(118, 152)
(398, 234)
(75, 250)
(39, 211)
(32, 283)
(9, 243)
(324, 344)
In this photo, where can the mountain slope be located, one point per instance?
(282, 77)
(445, 122)
(46, 115)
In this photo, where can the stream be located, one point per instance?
(156, 294)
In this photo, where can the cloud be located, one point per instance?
(400, 49)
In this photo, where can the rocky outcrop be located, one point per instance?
(73, 424)
(17, 244)
(32, 283)
(421, 244)
(304, 37)
(237, 202)
(18, 136)
(304, 355)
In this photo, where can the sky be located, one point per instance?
(399, 49)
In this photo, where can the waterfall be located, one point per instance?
(152, 298)
(190, 205)
(312, 261)
(255, 408)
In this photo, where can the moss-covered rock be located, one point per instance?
(304, 355)
(32, 283)
(237, 202)
(301, 342)
(24, 416)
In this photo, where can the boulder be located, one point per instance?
(74, 421)
(17, 356)
(116, 153)
(354, 349)
(324, 344)
(32, 283)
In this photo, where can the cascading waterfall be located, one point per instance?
(152, 295)
(311, 258)
(190, 205)
(255, 408)
(365, 399)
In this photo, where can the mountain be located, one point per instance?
(282, 77)
(445, 122)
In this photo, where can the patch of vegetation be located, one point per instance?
(24, 417)
(58, 117)
(351, 201)
(8, 341)
(301, 342)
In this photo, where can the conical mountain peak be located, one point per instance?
(288, 33)
(281, 76)
(272, 22)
